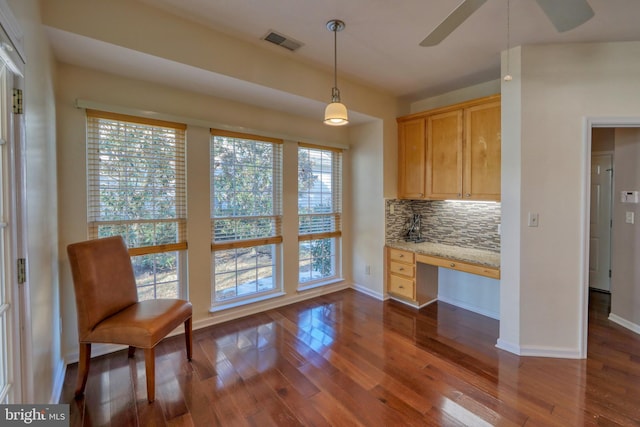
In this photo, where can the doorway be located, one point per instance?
(601, 222)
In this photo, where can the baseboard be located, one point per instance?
(539, 351)
(624, 323)
(58, 382)
(552, 352)
(367, 291)
(507, 346)
(469, 307)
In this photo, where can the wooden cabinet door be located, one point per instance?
(482, 152)
(444, 155)
(411, 159)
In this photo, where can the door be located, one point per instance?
(600, 224)
(444, 155)
(482, 152)
(411, 159)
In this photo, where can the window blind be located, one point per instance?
(319, 192)
(246, 190)
(136, 181)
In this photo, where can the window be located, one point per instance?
(319, 214)
(136, 172)
(246, 216)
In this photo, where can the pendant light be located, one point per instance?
(336, 112)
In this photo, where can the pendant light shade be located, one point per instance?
(336, 112)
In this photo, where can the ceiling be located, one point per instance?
(380, 45)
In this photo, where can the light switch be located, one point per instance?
(533, 219)
(630, 217)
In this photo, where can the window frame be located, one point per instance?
(336, 213)
(94, 222)
(234, 243)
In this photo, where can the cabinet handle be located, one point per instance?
(453, 264)
(401, 287)
(401, 256)
(420, 194)
(468, 194)
(401, 269)
(459, 195)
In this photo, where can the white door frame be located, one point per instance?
(588, 124)
(12, 53)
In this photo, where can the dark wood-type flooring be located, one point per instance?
(349, 360)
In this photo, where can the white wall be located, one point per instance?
(367, 219)
(559, 87)
(42, 207)
(625, 278)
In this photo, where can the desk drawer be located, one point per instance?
(401, 269)
(481, 270)
(401, 286)
(401, 256)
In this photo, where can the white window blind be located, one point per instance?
(319, 192)
(137, 186)
(246, 190)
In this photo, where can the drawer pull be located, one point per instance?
(401, 269)
(401, 286)
(401, 256)
(453, 264)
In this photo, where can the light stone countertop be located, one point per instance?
(456, 253)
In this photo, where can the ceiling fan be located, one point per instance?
(563, 14)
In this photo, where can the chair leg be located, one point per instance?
(83, 368)
(188, 335)
(150, 366)
(132, 352)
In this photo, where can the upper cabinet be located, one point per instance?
(412, 155)
(451, 152)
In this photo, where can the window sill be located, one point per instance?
(243, 302)
(314, 285)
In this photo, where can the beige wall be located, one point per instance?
(42, 206)
(557, 88)
(625, 277)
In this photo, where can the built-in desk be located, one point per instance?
(412, 268)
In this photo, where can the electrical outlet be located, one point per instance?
(367, 270)
(533, 219)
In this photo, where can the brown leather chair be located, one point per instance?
(109, 310)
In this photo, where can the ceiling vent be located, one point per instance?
(284, 41)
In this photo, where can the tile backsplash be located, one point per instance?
(469, 224)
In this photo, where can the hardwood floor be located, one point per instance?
(348, 360)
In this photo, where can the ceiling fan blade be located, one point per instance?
(566, 15)
(453, 21)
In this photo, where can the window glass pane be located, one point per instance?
(244, 271)
(317, 260)
(156, 275)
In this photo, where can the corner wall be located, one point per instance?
(562, 86)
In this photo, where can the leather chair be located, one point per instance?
(109, 311)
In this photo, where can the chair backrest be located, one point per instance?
(103, 279)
